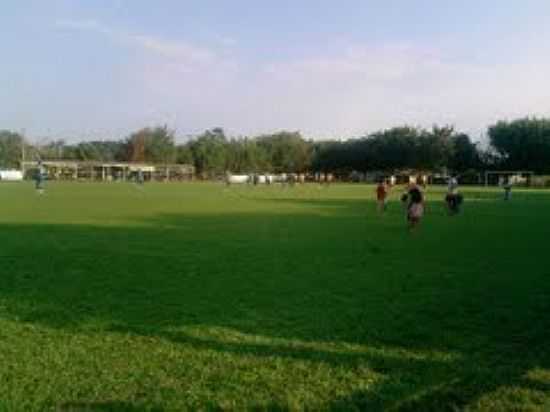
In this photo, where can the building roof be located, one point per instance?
(121, 165)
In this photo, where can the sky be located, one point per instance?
(331, 69)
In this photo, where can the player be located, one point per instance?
(453, 185)
(140, 178)
(39, 178)
(382, 196)
(415, 209)
(507, 190)
(453, 201)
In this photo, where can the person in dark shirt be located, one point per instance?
(415, 208)
(39, 178)
(507, 190)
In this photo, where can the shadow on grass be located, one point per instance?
(305, 278)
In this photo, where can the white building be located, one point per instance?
(11, 175)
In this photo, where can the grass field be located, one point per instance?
(200, 297)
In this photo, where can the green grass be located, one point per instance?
(201, 297)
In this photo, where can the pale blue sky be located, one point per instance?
(99, 69)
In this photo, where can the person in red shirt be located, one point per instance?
(381, 196)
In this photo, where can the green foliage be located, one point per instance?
(156, 145)
(196, 297)
(390, 150)
(465, 154)
(10, 149)
(51, 151)
(184, 154)
(247, 156)
(214, 154)
(286, 151)
(106, 151)
(393, 149)
(522, 144)
(436, 148)
(210, 152)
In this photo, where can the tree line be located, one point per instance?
(522, 144)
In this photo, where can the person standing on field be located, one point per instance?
(453, 185)
(507, 190)
(39, 178)
(415, 209)
(140, 177)
(453, 201)
(382, 196)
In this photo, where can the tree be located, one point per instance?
(438, 147)
(105, 151)
(522, 144)
(393, 149)
(465, 154)
(184, 154)
(246, 156)
(396, 148)
(52, 150)
(154, 145)
(135, 146)
(209, 152)
(11, 145)
(286, 151)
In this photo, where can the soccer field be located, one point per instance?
(173, 297)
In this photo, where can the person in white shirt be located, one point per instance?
(453, 185)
